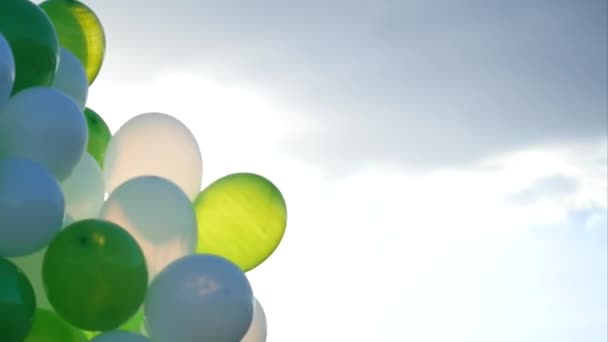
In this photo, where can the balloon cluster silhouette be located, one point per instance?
(109, 237)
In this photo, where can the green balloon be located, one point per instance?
(80, 31)
(99, 135)
(17, 303)
(33, 40)
(95, 275)
(135, 325)
(241, 217)
(49, 327)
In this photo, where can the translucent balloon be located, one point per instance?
(158, 215)
(95, 275)
(99, 135)
(35, 46)
(241, 217)
(44, 125)
(120, 336)
(84, 190)
(199, 298)
(17, 303)
(7, 70)
(49, 327)
(80, 31)
(257, 330)
(71, 78)
(154, 144)
(31, 207)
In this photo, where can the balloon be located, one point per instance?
(31, 207)
(154, 144)
(48, 327)
(95, 275)
(158, 214)
(120, 336)
(35, 46)
(84, 190)
(135, 324)
(17, 303)
(241, 217)
(71, 78)
(99, 135)
(199, 298)
(44, 125)
(80, 31)
(31, 265)
(7, 70)
(257, 330)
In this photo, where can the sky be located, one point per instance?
(444, 163)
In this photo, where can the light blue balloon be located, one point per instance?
(71, 79)
(46, 126)
(159, 216)
(7, 70)
(31, 207)
(199, 297)
(119, 336)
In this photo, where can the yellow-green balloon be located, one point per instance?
(49, 327)
(80, 31)
(241, 217)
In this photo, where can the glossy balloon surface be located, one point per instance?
(31, 207)
(7, 70)
(95, 275)
(257, 331)
(49, 327)
(17, 303)
(44, 125)
(80, 31)
(199, 298)
(158, 214)
(154, 144)
(99, 135)
(241, 217)
(35, 45)
(84, 190)
(71, 78)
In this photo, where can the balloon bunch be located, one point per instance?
(109, 237)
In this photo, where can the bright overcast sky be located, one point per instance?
(444, 162)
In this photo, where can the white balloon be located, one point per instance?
(7, 70)
(154, 144)
(31, 207)
(159, 216)
(258, 330)
(119, 336)
(200, 297)
(84, 190)
(71, 78)
(44, 125)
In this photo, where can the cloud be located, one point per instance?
(421, 84)
(550, 186)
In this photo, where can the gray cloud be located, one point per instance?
(551, 187)
(418, 83)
